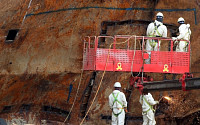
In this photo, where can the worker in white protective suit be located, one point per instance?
(184, 34)
(147, 103)
(155, 29)
(118, 104)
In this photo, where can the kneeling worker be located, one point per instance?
(118, 103)
(148, 102)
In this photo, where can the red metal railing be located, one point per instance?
(129, 59)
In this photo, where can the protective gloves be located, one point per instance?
(174, 38)
(157, 102)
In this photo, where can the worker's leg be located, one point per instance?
(152, 122)
(148, 49)
(151, 117)
(114, 119)
(177, 48)
(121, 118)
(155, 48)
(145, 120)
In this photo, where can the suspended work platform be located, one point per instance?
(128, 54)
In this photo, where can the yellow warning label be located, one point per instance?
(119, 66)
(166, 68)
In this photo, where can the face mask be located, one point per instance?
(159, 18)
(181, 22)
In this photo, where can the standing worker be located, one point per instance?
(148, 102)
(118, 103)
(184, 34)
(155, 29)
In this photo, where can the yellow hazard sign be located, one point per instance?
(166, 68)
(119, 66)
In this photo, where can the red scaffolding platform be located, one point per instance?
(133, 60)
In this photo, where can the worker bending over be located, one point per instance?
(147, 102)
(155, 29)
(184, 34)
(118, 103)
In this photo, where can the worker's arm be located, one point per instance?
(110, 102)
(190, 32)
(183, 29)
(164, 31)
(150, 28)
(151, 100)
(181, 35)
(141, 101)
(124, 102)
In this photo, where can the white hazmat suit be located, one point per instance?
(184, 34)
(147, 102)
(117, 102)
(154, 29)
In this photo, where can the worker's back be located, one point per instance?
(118, 104)
(147, 101)
(184, 31)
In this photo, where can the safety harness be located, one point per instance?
(154, 42)
(151, 107)
(116, 100)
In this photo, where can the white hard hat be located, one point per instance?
(117, 84)
(159, 14)
(181, 19)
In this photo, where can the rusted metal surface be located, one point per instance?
(36, 69)
(43, 97)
